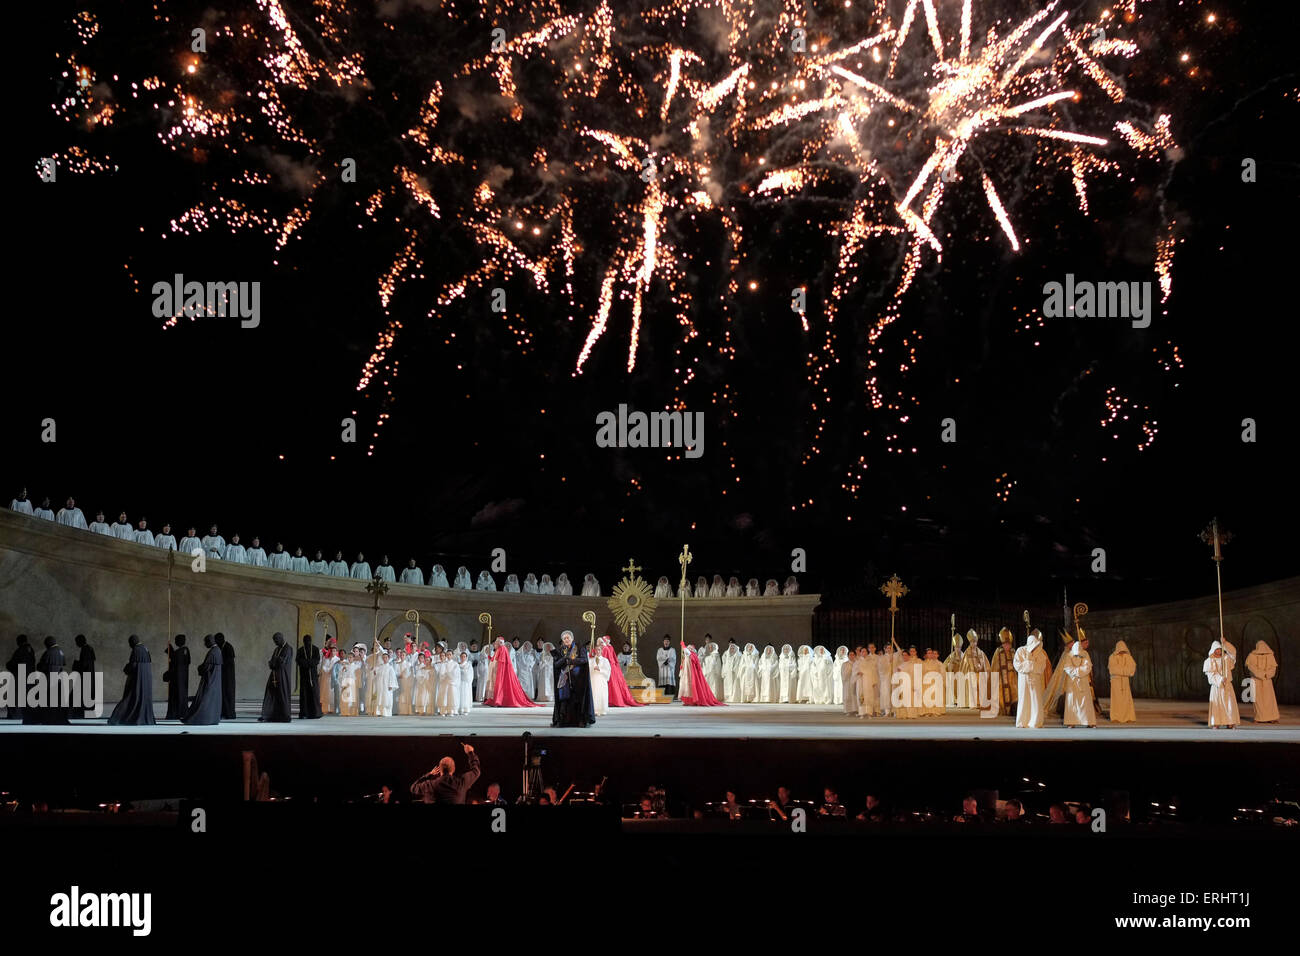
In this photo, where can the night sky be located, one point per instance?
(488, 444)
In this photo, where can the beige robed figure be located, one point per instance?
(1263, 667)
(1121, 666)
(1223, 699)
(1031, 666)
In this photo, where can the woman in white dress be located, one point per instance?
(803, 692)
(600, 671)
(823, 668)
(767, 676)
(787, 669)
(1263, 668)
(1121, 666)
(748, 676)
(544, 673)
(1223, 699)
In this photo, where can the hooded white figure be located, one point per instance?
(590, 586)
(841, 676)
(526, 668)
(544, 673)
(684, 589)
(712, 667)
(480, 661)
(562, 585)
(438, 577)
(787, 675)
(598, 666)
(803, 693)
(1121, 666)
(1078, 689)
(823, 676)
(448, 685)
(463, 581)
(748, 675)
(701, 587)
(868, 681)
(1223, 699)
(1031, 665)
(512, 584)
(733, 587)
(663, 589)
(768, 679)
(791, 586)
(717, 589)
(731, 674)
(546, 585)
(485, 582)
(530, 583)
(751, 588)
(684, 677)
(771, 589)
(422, 702)
(465, 690)
(1263, 668)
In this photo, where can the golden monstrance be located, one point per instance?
(633, 603)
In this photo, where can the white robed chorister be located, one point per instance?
(485, 582)
(526, 669)
(590, 586)
(663, 590)
(1121, 667)
(188, 543)
(465, 691)
(257, 558)
(841, 676)
(212, 541)
(1223, 699)
(412, 575)
(717, 589)
(438, 577)
(279, 559)
(791, 586)
(684, 589)
(422, 702)
(751, 588)
(868, 683)
(166, 540)
(731, 674)
(143, 535)
(70, 516)
(385, 571)
(733, 587)
(299, 563)
(545, 673)
(768, 679)
(771, 589)
(448, 685)
(338, 568)
(803, 693)
(21, 504)
(886, 662)
(701, 591)
(1263, 668)
(562, 585)
(360, 568)
(600, 673)
(787, 675)
(1031, 665)
(44, 511)
(463, 581)
(318, 565)
(236, 553)
(512, 584)
(933, 675)
(747, 675)
(546, 585)
(350, 687)
(823, 668)
(907, 699)
(100, 526)
(712, 667)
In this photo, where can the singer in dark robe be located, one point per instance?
(177, 677)
(277, 702)
(23, 656)
(308, 679)
(135, 709)
(573, 704)
(207, 699)
(84, 664)
(51, 663)
(227, 676)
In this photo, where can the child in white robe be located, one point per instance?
(422, 702)
(600, 673)
(448, 682)
(383, 681)
(466, 695)
(349, 689)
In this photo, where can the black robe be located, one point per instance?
(84, 664)
(573, 704)
(227, 681)
(178, 683)
(308, 682)
(51, 662)
(207, 699)
(277, 702)
(26, 657)
(136, 706)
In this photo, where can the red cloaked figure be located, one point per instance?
(507, 692)
(700, 695)
(620, 695)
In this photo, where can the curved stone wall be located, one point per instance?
(63, 581)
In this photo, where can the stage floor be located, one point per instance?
(1157, 721)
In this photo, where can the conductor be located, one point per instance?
(443, 785)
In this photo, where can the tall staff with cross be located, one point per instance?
(893, 589)
(684, 559)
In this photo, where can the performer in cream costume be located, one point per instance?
(1031, 669)
(1263, 668)
(1121, 666)
(1078, 690)
(787, 675)
(1223, 699)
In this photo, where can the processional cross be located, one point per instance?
(683, 559)
(379, 587)
(1216, 539)
(893, 589)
